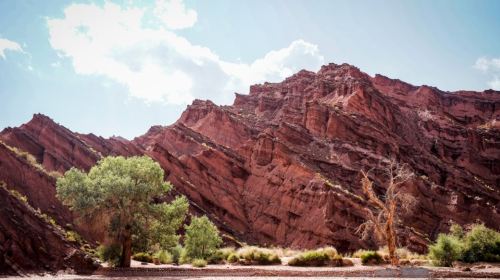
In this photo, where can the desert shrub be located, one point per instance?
(143, 257)
(445, 251)
(478, 244)
(19, 196)
(163, 256)
(358, 253)
(481, 244)
(72, 236)
(319, 257)
(184, 257)
(199, 263)
(110, 253)
(401, 253)
(310, 258)
(220, 256)
(255, 255)
(457, 231)
(371, 257)
(330, 251)
(233, 258)
(176, 252)
(202, 238)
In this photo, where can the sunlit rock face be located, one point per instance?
(281, 166)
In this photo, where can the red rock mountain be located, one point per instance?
(281, 165)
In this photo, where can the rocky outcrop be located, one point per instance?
(23, 174)
(29, 244)
(281, 165)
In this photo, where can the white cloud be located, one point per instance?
(174, 15)
(157, 65)
(8, 45)
(495, 83)
(491, 66)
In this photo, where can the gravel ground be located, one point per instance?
(73, 277)
(225, 272)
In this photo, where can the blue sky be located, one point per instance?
(119, 67)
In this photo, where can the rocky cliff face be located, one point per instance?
(281, 165)
(29, 244)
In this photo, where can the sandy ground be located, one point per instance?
(214, 272)
(73, 277)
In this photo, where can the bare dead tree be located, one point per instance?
(383, 218)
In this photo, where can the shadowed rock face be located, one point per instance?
(29, 244)
(281, 165)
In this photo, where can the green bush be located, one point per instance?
(202, 238)
(163, 256)
(176, 253)
(320, 257)
(220, 256)
(254, 256)
(143, 257)
(110, 253)
(478, 244)
(259, 256)
(371, 257)
(233, 258)
(481, 244)
(184, 257)
(199, 263)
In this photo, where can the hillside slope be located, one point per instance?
(281, 165)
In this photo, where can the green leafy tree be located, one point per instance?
(122, 193)
(202, 238)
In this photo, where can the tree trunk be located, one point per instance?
(391, 242)
(126, 249)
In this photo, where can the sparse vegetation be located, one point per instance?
(202, 238)
(163, 257)
(402, 253)
(110, 253)
(371, 258)
(478, 244)
(199, 263)
(221, 255)
(311, 258)
(255, 256)
(27, 157)
(143, 257)
(445, 251)
(176, 252)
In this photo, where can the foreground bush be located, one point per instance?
(110, 253)
(199, 263)
(143, 257)
(254, 256)
(221, 255)
(445, 251)
(202, 238)
(478, 244)
(320, 257)
(481, 244)
(163, 257)
(176, 253)
(371, 257)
